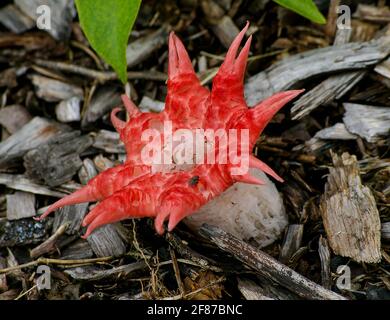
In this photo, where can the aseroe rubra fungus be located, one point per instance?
(136, 189)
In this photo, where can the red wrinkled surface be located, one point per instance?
(135, 190)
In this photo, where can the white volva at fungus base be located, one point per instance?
(250, 212)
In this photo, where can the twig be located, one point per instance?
(56, 262)
(50, 243)
(101, 76)
(177, 271)
(267, 266)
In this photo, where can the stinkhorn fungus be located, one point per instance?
(172, 190)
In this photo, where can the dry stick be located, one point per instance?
(267, 266)
(50, 243)
(57, 262)
(101, 76)
(177, 271)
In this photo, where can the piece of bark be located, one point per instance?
(385, 231)
(320, 142)
(106, 241)
(292, 242)
(250, 212)
(383, 68)
(72, 216)
(68, 110)
(14, 117)
(36, 132)
(15, 20)
(57, 161)
(141, 49)
(102, 163)
(349, 212)
(91, 273)
(22, 183)
(3, 277)
(20, 205)
(87, 171)
(267, 266)
(331, 24)
(9, 295)
(250, 290)
(50, 244)
(52, 90)
(335, 132)
(109, 141)
(324, 253)
(62, 13)
(188, 253)
(368, 122)
(289, 72)
(332, 88)
(22, 232)
(222, 25)
(149, 105)
(103, 100)
(78, 250)
(372, 13)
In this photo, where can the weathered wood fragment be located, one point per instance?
(22, 232)
(349, 212)
(320, 141)
(369, 122)
(300, 67)
(53, 90)
(385, 230)
(102, 163)
(68, 110)
(106, 241)
(32, 135)
(267, 266)
(109, 141)
(335, 132)
(62, 14)
(3, 277)
(149, 105)
(50, 244)
(91, 273)
(78, 250)
(222, 25)
(250, 290)
(328, 90)
(292, 242)
(87, 171)
(103, 100)
(20, 205)
(14, 117)
(373, 13)
(140, 49)
(324, 252)
(72, 216)
(57, 161)
(22, 183)
(15, 20)
(383, 68)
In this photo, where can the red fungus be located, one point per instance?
(135, 189)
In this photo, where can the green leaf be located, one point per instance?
(306, 8)
(107, 25)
